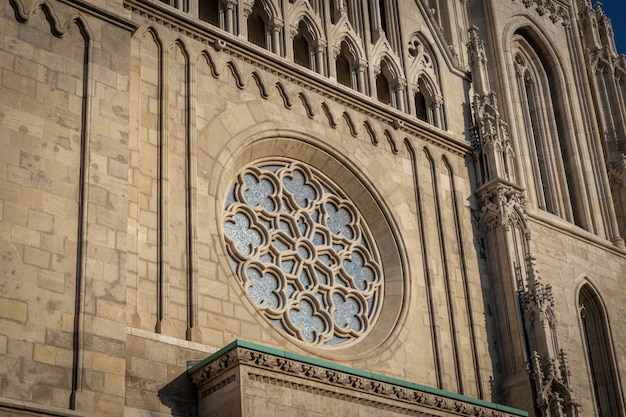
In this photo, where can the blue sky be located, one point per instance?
(616, 11)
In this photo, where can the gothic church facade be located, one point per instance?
(311, 207)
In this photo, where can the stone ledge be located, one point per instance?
(243, 377)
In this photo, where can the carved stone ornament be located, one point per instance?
(537, 298)
(617, 172)
(490, 130)
(501, 203)
(552, 8)
(555, 397)
(329, 382)
(476, 47)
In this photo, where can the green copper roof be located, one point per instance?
(356, 372)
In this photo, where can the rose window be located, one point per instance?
(303, 253)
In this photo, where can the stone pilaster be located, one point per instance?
(534, 347)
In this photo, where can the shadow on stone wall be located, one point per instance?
(179, 395)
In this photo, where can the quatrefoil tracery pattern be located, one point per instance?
(303, 253)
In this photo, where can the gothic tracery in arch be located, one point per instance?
(541, 110)
(599, 348)
(427, 99)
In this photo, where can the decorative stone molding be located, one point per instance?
(229, 54)
(489, 133)
(548, 368)
(332, 383)
(553, 8)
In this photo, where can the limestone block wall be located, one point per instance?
(241, 111)
(64, 112)
(123, 126)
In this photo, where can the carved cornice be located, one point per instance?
(307, 376)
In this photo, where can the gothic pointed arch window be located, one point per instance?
(346, 66)
(258, 26)
(427, 103)
(421, 107)
(423, 70)
(383, 84)
(543, 123)
(600, 356)
(303, 41)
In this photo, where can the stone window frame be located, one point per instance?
(347, 48)
(552, 183)
(376, 214)
(424, 73)
(298, 243)
(599, 352)
(273, 23)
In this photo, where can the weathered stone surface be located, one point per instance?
(482, 143)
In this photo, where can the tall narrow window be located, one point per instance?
(344, 73)
(420, 106)
(345, 66)
(383, 84)
(545, 192)
(208, 10)
(257, 25)
(382, 89)
(302, 47)
(425, 101)
(543, 121)
(607, 393)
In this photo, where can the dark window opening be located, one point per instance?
(344, 71)
(301, 48)
(208, 10)
(257, 31)
(421, 108)
(383, 16)
(382, 89)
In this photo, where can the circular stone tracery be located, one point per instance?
(303, 253)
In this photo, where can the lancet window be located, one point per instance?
(427, 100)
(383, 84)
(550, 153)
(303, 53)
(346, 66)
(258, 23)
(600, 356)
